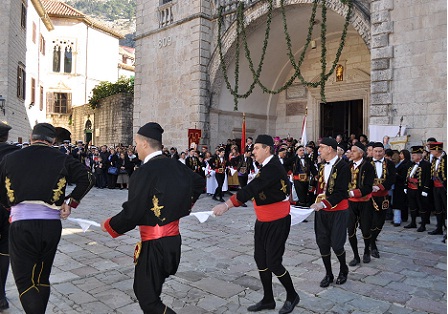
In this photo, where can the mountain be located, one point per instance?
(116, 14)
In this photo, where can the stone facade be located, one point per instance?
(12, 52)
(394, 61)
(111, 121)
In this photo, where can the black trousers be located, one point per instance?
(379, 216)
(220, 180)
(243, 180)
(270, 238)
(158, 260)
(32, 246)
(415, 201)
(330, 228)
(360, 214)
(439, 200)
(302, 191)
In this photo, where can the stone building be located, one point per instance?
(393, 65)
(13, 64)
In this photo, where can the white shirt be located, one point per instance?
(152, 155)
(357, 163)
(413, 170)
(328, 167)
(379, 167)
(438, 161)
(267, 160)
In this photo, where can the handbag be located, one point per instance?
(112, 170)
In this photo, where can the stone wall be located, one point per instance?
(408, 50)
(111, 121)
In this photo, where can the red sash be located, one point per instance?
(156, 232)
(271, 212)
(412, 184)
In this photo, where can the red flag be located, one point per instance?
(243, 134)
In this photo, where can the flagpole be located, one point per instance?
(243, 134)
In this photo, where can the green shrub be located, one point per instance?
(106, 89)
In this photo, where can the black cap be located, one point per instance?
(44, 129)
(264, 139)
(431, 139)
(66, 141)
(329, 142)
(378, 144)
(152, 130)
(370, 144)
(282, 149)
(4, 128)
(417, 150)
(360, 145)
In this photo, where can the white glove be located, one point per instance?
(424, 194)
(405, 191)
(351, 194)
(375, 188)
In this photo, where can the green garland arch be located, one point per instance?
(242, 39)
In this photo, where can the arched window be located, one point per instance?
(57, 58)
(68, 60)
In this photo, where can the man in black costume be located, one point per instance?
(33, 187)
(5, 149)
(161, 191)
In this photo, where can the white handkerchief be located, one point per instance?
(299, 214)
(203, 216)
(84, 223)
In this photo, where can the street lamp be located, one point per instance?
(3, 104)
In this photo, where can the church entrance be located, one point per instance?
(341, 117)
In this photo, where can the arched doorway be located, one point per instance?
(88, 131)
(283, 113)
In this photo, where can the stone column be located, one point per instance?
(381, 62)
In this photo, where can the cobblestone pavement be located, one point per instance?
(93, 273)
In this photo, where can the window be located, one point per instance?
(21, 76)
(56, 59)
(33, 91)
(41, 98)
(34, 33)
(23, 16)
(68, 60)
(42, 45)
(59, 102)
(63, 56)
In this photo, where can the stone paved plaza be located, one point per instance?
(93, 273)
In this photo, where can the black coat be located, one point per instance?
(161, 191)
(40, 173)
(270, 185)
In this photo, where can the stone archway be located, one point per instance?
(264, 119)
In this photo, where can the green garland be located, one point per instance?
(241, 36)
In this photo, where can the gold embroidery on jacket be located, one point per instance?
(9, 191)
(284, 187)
(262, 196)
(156, 208)
(58, 192)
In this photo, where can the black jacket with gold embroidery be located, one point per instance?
(40, 173)
(269, 186)
(161, 191)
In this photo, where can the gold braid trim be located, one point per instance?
(379, 180)
(354, 180)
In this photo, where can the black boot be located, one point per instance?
(413, 219)
(440, 222)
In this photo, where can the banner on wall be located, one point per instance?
(194, 136)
